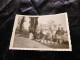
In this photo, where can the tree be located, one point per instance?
(33, 25)
(51, 26)
(21, 22)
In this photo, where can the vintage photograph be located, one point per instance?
(44, 33)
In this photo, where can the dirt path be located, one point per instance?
(27, 43)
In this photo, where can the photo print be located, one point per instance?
(43, 33)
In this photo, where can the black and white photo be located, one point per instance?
(46, 32)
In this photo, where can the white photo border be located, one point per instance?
(40, 49)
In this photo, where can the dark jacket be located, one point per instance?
(8, 10)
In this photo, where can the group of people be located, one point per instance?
(59, 35)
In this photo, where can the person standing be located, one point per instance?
(62, 35)
(58, 35)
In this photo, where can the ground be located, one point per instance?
(22, 42)
(27, 43)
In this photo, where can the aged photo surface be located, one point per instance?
(46, 32)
